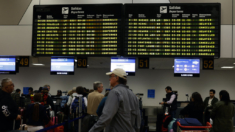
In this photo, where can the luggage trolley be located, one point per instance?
(192, 128)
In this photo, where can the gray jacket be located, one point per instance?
(121, 112)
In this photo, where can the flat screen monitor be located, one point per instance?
(127, 64)
(62, 66)
(187, 67)
(7, 65)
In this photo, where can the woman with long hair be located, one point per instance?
(222, 114)
(195, 108)
(36, 114)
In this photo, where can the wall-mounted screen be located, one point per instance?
(187, 67)
(71, 30)
(7, 65)
(127, 64)
(62, 66)
(172, 30)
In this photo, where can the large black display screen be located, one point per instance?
(71, 30)
(172, 30)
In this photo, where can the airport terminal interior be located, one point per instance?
(188, 45)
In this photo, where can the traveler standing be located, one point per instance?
(121, 110)
(209, 102)
(95, 98)
(9, 110)
(171, 101)
(222, 114)
(195, 108)
(16, 97)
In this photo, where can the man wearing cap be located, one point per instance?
(121, 111)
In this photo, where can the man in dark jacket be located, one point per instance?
(209, 103)
(16, 97)
(171, 101)
(8, 108)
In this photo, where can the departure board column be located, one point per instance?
(172, 30)
(87, 30)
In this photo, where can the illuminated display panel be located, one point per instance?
(69, 30)
(172, 30)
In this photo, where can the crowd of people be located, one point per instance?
(221, 112)
(118, 110)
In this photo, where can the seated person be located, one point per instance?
(195, 108)
(36, 114)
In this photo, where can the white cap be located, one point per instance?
(119, 72)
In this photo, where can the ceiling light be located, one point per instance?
(38, 64)
(233, 63)
(228, 67)
(75, 60)
(173, 66)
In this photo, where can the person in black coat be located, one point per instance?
(36, 113)
(8, 108)
(195, 108)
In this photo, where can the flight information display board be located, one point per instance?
(172, 30)
(72, 30)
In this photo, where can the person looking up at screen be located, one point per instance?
(171, 101)
(8, 108)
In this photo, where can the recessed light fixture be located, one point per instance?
(228, 67)
(38, 64)
(173, 66)
(75, 60)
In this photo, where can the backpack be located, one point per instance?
(63, 101)
(75, 105)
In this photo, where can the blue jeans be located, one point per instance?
(173, 113)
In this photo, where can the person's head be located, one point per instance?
(98, 86)
(196, 97)
(18, 91)
(40, 89)
(117, 76)
(70, 92)
(48, 86)
(74, 89)
(59, 93)
(37, 98)
(45, 90)
(79, 90)
(212, 93)
(224, 96)
(30, 90)
(7, 85)
(168, 89)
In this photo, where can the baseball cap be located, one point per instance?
(119, 72)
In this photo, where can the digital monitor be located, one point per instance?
(62, 66)
(77, 30)
(127, 64)
(172, 30)
(7, 66)
(187, 67)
